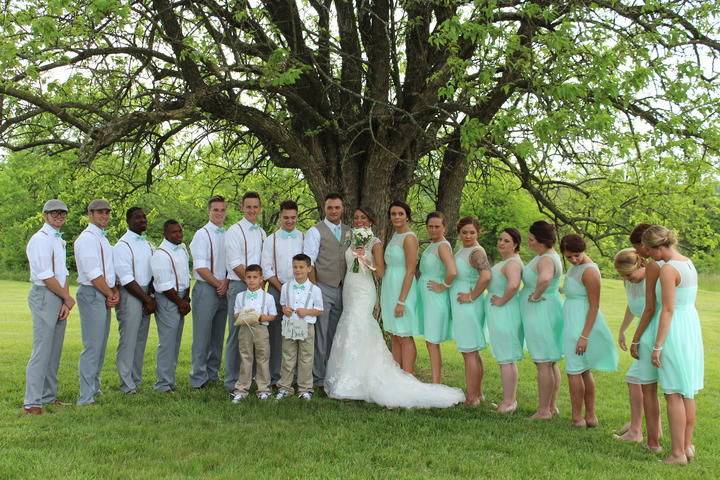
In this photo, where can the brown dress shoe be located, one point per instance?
(33, 410)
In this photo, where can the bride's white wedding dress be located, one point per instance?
(361, 367)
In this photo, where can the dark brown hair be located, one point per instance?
(368, 212)
(404, 206)
(515, 235)
(250, 195)
(432, 215)
(544, 232)
(469, 220)
(637, 232)
(572, 243)
(288, 205)
(215, 198)
(254, 268)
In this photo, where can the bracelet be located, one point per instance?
(656, 349)
(635, 343)
(400, 302)
(584, 337)
(445, 284)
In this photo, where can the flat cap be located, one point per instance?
(54, 204)
(98, 204)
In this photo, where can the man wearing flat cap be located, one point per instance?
(96, 296)
(50, 304)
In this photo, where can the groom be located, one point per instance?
(325, 244)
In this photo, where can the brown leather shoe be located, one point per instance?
(33, 410)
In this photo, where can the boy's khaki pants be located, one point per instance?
(254, 344)
(300, 353)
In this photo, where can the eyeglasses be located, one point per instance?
(58, 213)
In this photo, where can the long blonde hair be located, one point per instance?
(627, 261)
(659, 236)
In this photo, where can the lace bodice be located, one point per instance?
(574, 287)
(635, 293)
(530, 274)
(349, 257)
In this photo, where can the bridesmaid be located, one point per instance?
(502, 314)
(588, 343)
(466, 304)
(398, 297)
(542, 316)
(437, 272)
(678, 347)
(642, 370)
(631, 268)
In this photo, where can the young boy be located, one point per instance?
(254, 309)
(301, 305)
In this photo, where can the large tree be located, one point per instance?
(355, 94)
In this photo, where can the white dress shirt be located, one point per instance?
(46, 255)
(295, 295)
(164, 276)
(208, 247)
(93, 256)
(243, 246)
(259, 300)
(277, 253)
(311, 246)
(131, 256)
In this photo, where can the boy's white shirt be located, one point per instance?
(266, 308)
(299, 297)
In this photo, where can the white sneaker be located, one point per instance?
(263, 396)
(305, 396)
(239, 397)
(281, 394)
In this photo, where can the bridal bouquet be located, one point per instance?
(360, 237)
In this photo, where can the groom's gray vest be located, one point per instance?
(330, 263)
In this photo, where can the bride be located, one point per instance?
(360, 366)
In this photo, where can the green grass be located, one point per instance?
(202, 435)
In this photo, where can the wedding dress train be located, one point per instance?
(361, 367)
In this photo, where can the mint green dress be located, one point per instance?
(468, 319)
(409, 324)
(635, 296)
(682, 363)
(601, 353)
(504, 322)
(543, 320)
(642, 371)
(434, 307)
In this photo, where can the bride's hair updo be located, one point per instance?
(368, 212)
(469, 220)
(659, 236)
(432, 215)
(627, 261)
(404, 206)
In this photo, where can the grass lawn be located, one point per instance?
(201, 434)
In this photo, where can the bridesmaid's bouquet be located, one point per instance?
(360, 237)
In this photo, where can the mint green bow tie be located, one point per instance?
(252, 295)
(176, 248)
(284, 234)
(103, 233)
(59, 235)
(142, 237)
(254, 227)
(220, 230)
(299, 287)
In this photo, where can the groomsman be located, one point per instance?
(325, 245)
(96, 296)
(243, 247)
(50, 304)
(277, 254)
(131, 256)
(171, 277)
(209, 302)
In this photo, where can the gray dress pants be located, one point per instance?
(325, 328)
(48, 336)
(275, 333)
(133, 326)
(170, 327)
(232, 352)
(208, 317)
(95, 327)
